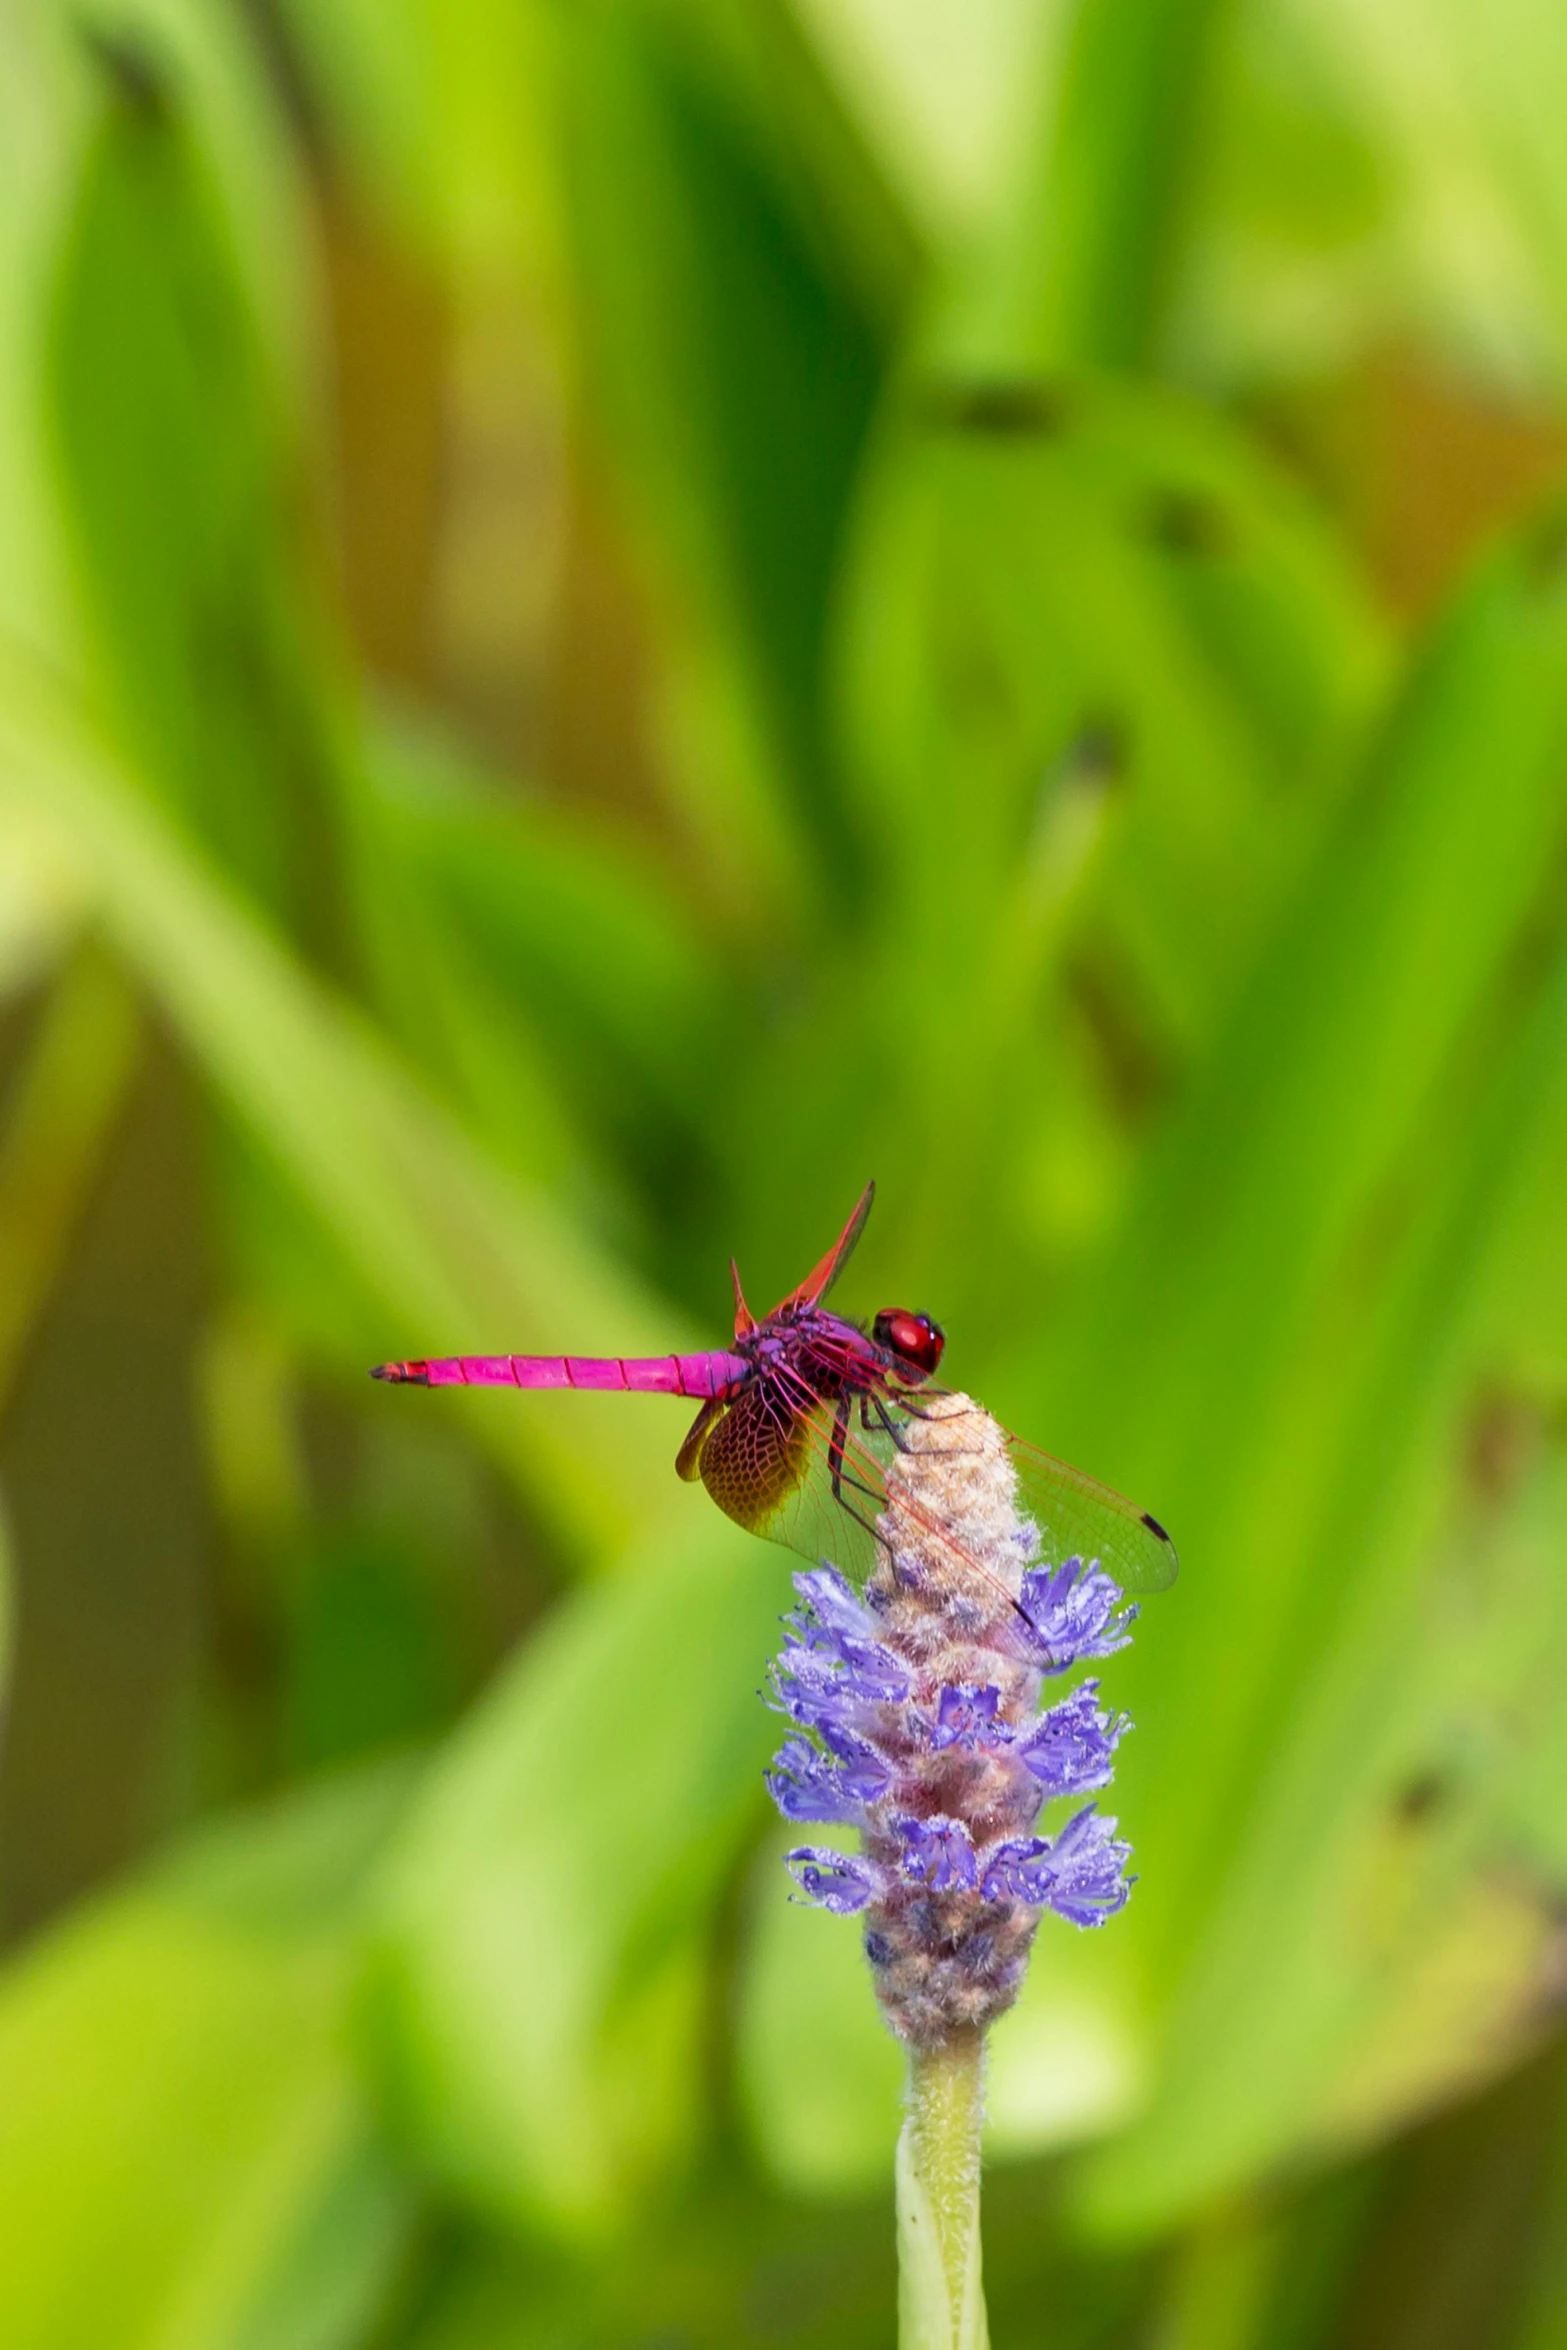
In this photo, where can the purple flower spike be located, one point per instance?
(834, 1880)
(917, 1713)
(938, 1853)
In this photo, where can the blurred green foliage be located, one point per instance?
(613, 617)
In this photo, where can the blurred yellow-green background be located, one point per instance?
(616, 615)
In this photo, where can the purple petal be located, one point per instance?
(1007, 1868)
(873, 1670)
(830, 1603)
(1078, 1874)
(812, 1686)
(966, 1716)
(1074, 1612)
(1071, 1749)
(1089, 1861)
(834, 1880)
(809, 1785)
(938, 1852)
(832, 1647)
(857, 1753)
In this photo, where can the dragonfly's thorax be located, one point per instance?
(823, 1351)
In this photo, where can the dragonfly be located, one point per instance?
(802, 1418)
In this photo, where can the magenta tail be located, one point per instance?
(696, 1375)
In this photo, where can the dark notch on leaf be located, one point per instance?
(1545, 549)
(1135, 1061)
(999, 410)
(135, 75)
(1419, 1798)
(1185, 522)
(1097, 753)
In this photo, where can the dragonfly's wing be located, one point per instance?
(1078, 1517)
(799, 1475)
(821, 1277)
(770, 1468)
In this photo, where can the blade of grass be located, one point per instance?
(458, 1256)
(539, 2004)
(184, 2150)
(60, 1114)
(177, 501)
(1308, 1399)
(1085, 267)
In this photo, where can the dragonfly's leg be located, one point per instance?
(859, 1517)
(842, 1476)
(835, 1444)
(910, 1411)
(878, 1403)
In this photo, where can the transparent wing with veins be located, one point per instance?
(795, 1467)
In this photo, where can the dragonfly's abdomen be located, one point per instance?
(695, 1375)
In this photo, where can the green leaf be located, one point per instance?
(176, 497)
(333, 2279)
(821, 2074)
(1473, 197)
(58, 1121)
(1213, 1340)
(1055, 558)
(483, 913)
(7, 1609)
(185, 2158)
(1283, 1359)
(541, 1990)
(1097, 661)
(1511, 78)
(455, 1256)
(1086, 263)
(705, 305)
(1541, 2320)
(38, 136)
(59, 71)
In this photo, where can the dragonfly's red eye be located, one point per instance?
(914, 1338)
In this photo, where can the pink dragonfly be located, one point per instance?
(801, 1418)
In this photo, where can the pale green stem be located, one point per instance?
(941, 2301)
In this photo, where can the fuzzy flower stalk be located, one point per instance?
(916, 1713)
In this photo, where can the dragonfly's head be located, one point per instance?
(914, 1338)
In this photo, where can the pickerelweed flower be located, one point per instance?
(916, 1713)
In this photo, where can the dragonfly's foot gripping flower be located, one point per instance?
(917, 1721)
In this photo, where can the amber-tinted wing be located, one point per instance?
(769, 1469)
(798, 1478)
(753, 1460)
